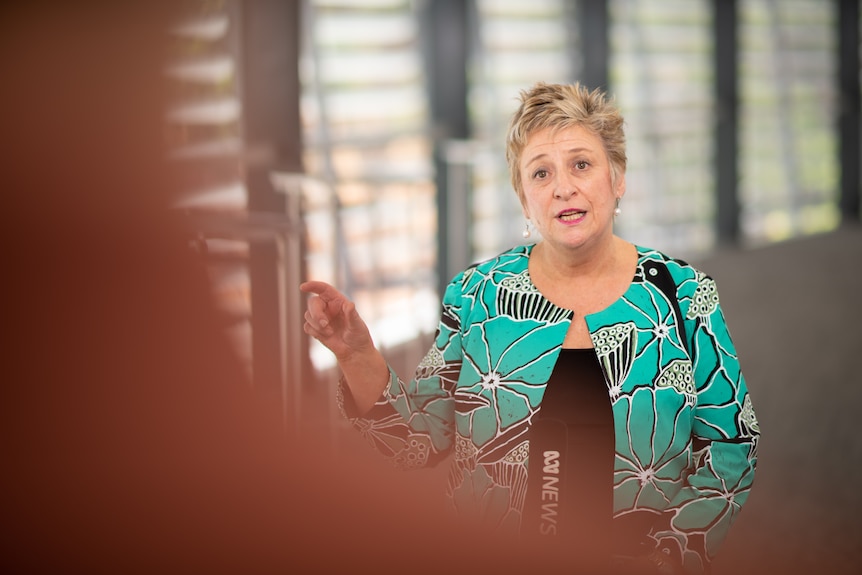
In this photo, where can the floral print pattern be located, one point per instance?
(685, 431)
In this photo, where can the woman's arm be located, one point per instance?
(332, 319)
(410, 423)
(724, 435)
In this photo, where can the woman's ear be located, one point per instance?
(523, 201)
(524, 209)
(620, 186)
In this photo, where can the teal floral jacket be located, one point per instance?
(686, 433)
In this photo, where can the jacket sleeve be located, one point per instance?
(724, 435)
(412, 424)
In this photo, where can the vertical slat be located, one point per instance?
(849, 112)
(446, 47)
(593, 42)
(726, 94)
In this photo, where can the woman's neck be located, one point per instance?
(584, 284)
(582, 262)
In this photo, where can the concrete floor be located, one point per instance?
(795, 314)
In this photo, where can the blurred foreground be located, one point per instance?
(131, 440)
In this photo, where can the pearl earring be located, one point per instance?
(526, 233)
(617, 210)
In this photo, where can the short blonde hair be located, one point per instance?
(562, 106)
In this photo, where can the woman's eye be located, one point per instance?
(540, 174)
(581, 165)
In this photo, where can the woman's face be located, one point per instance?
(566, 180)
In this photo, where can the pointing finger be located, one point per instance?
(322, 289)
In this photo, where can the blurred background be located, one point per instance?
(361, 142)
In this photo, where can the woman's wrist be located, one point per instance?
(366, 376)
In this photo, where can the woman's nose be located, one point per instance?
(564, 189)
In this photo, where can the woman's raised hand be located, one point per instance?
(332, 319)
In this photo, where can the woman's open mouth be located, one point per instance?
(571, 215)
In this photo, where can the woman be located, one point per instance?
(573, 379)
